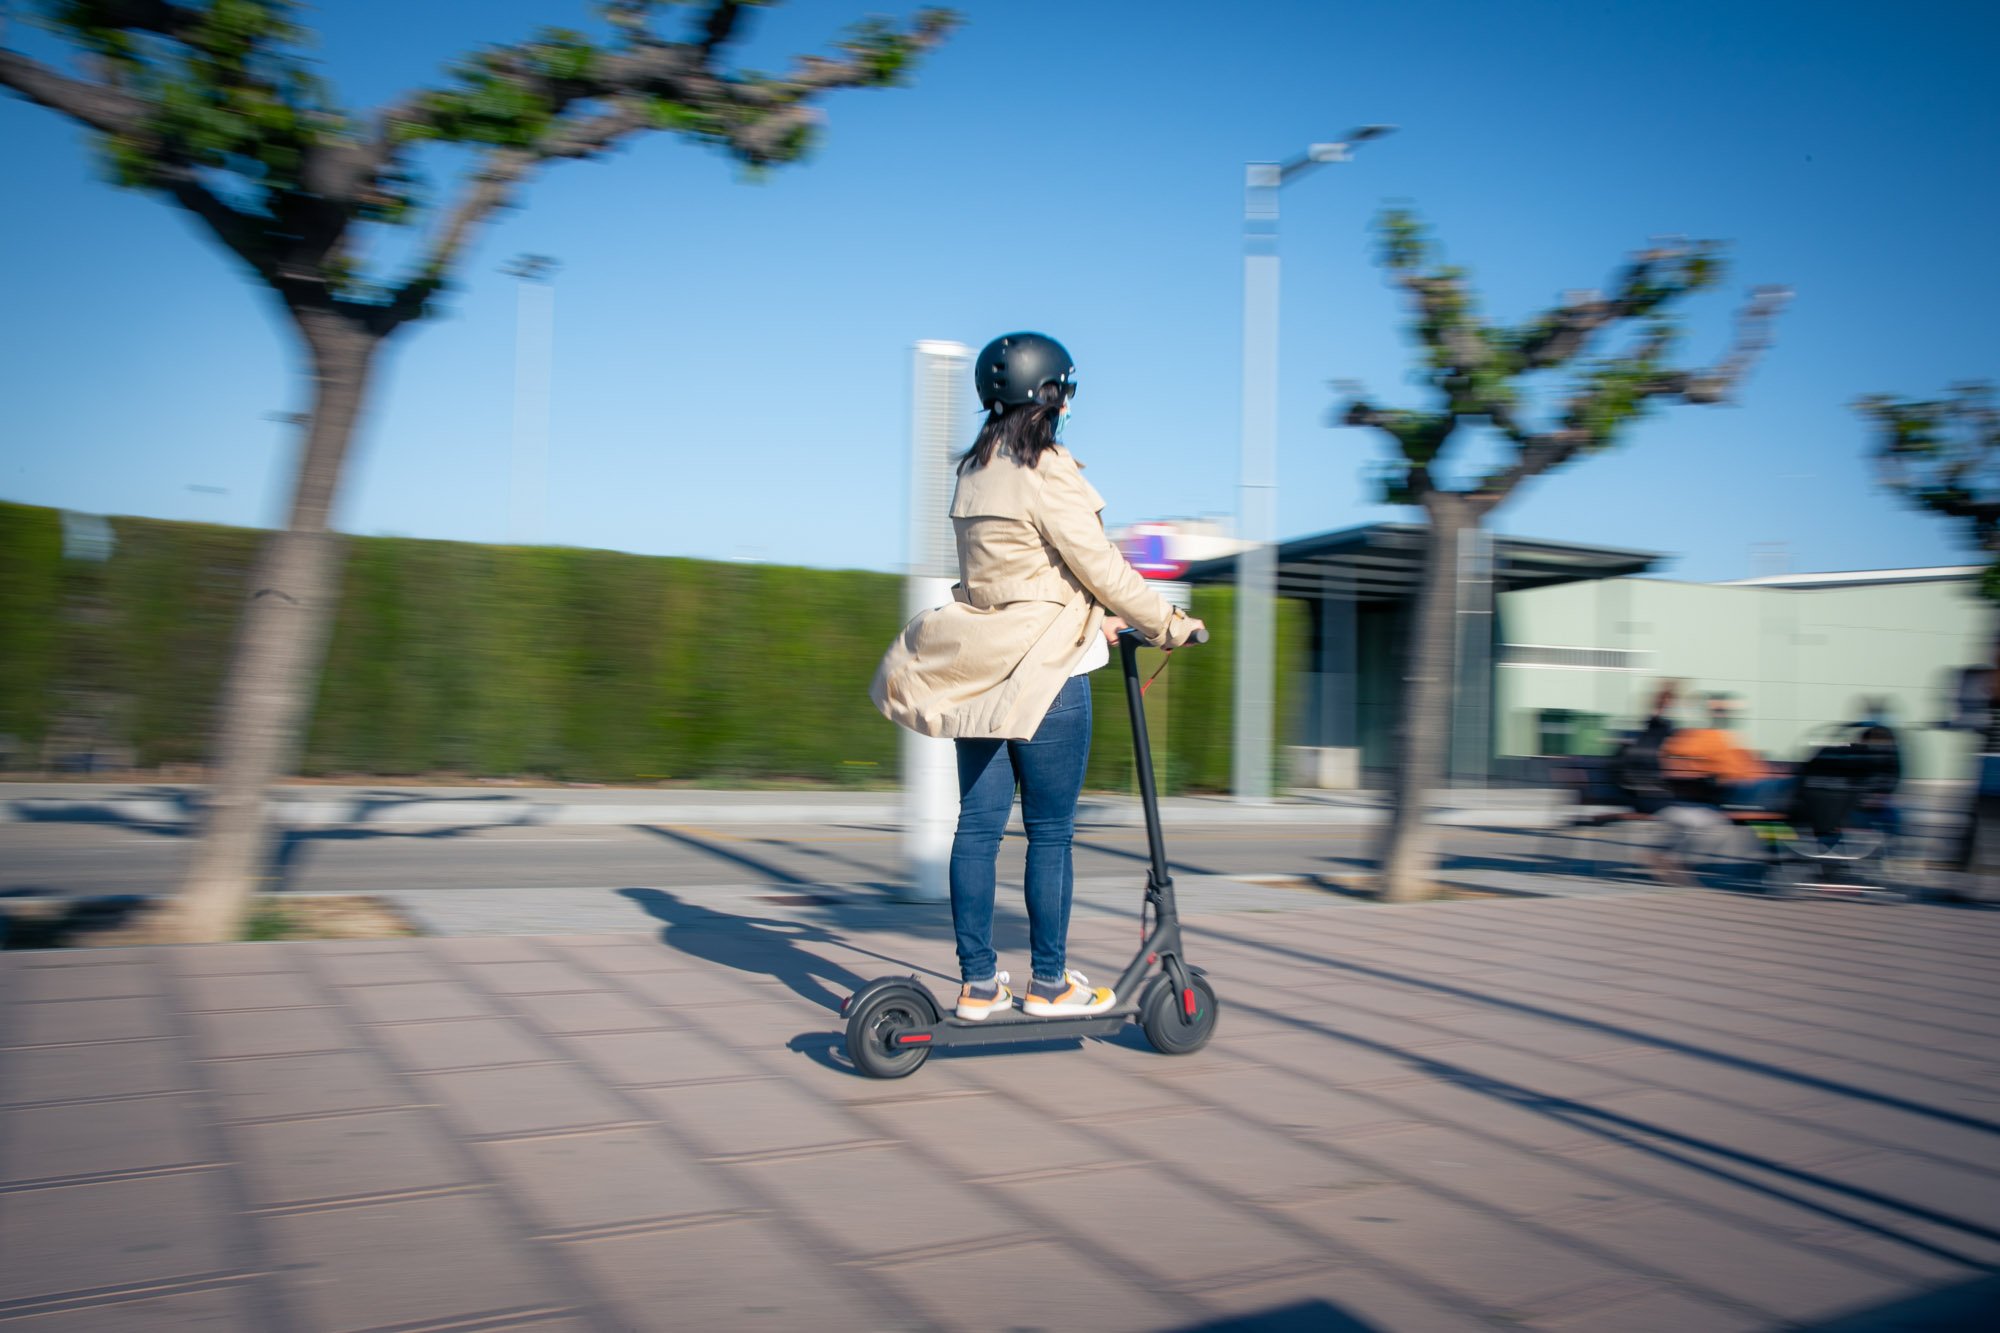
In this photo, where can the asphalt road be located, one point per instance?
(85, 859)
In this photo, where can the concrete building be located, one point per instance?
(1560, 644)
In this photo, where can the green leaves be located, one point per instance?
(1943, 455)
(1477, 369)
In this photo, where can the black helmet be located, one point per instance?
(1014, 366)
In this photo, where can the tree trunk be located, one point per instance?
(1410, 843)
(279, 644)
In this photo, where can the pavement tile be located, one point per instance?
(1686, 1123)
(112, 1069)
(1327, 1058)
(639, 1059)
(271, 1032)
(536, 978)
(59, 1022)
(1232, 1154)
(293, 1085)
(91, 1138)
(256, 990)
(116, 1233)
(590, 1011)
(377, 969)
(988, 1135)
(669, 990)
(1719, 1259)
(1971, 1197)
(345, 1156)
(624, 956)
(1654, 1312)
(1536, 1074)
(1033, 1287)
(1338, 1298)
(406, 1262)
(1890, 1125)
(1557, 1040)
(218, 1310)
(761, 1115)
(1553, 1127)
(1510, 1179)
(1286, 1101)
(522, 1100)
(488, 949)
(623, 1175)
(210, 960)
(1776, 1087)
(879, 1201)
(467, 1043)
(86, 983)
(1063, 1082)
(1497, 1262)
(1153, 1222)
(414, 1001)
(734, 1275)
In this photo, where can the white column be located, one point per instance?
(1257, 522)
(941, 413)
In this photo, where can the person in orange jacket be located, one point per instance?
(1709, 766)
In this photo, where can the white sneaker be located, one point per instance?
(973, 1007)
(1071, 996)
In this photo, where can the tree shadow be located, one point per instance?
(767, 946)
(1968, 1307)
(1307, 1316)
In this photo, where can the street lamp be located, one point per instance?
(1256, 563)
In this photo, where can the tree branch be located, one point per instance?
(94, 105)
(1753, 337)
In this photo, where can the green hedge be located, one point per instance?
(450, 658)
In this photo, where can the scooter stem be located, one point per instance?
(1142, 753)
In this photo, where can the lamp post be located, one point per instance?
(534, 328)
(1256, 563)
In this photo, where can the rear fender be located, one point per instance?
(883, 985)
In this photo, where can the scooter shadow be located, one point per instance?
(828, 1050)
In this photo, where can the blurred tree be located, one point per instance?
(1479, 371)
(1944, 455)
(214, 107)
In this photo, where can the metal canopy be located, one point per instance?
(1383, 562)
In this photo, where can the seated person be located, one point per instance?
(1709, 766)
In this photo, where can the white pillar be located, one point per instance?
(941, 413)
(1257, 521)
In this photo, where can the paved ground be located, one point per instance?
(1685, 1111)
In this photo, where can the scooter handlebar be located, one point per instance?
(1128, 634)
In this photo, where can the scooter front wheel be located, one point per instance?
(1179, 1022)
(875, 1029)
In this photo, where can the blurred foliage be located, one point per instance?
(1944, 455)
(536, 662)
(1478, 369)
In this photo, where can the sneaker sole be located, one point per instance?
(979, 1015)
(1036, 1009)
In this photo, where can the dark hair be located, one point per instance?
(1024, 432)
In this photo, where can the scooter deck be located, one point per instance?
(1017, 1026)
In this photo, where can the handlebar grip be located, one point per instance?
(1199, 636)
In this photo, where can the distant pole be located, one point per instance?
(1257, 520)
(534, 339)
(940, 411)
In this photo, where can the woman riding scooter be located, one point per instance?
(1003, 668)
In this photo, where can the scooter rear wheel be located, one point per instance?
(1167, 1023)
(873, 1029)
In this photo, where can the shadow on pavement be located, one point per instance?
(768, 946)
(1969, 1307)
(1310, 1316)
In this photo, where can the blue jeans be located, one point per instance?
(1048, 767)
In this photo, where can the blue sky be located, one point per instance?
(731, 359)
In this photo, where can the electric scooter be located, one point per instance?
(894, 1023)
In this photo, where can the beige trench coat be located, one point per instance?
(1037, 575)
